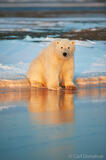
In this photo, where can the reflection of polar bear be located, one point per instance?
(53, 107)
(54, 66)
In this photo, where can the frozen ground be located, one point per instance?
(16, 56)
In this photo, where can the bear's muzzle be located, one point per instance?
(65, 54)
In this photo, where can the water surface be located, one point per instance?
(40, 124)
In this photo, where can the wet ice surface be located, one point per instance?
(47, 125)
(51, 24)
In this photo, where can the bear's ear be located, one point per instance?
(73, 42)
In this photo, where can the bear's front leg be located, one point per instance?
(68, 74)
(67, 81)
(53, 79)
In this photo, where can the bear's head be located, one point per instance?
(64, 48)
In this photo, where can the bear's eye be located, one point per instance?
(68, 47)
(61, 47)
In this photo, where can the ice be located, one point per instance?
(16, 55)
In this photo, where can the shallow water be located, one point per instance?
(41, 124)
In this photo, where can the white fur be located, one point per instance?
(51, 69)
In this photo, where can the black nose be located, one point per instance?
(64, 54)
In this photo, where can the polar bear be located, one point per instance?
(53, 69)
(54, 66)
